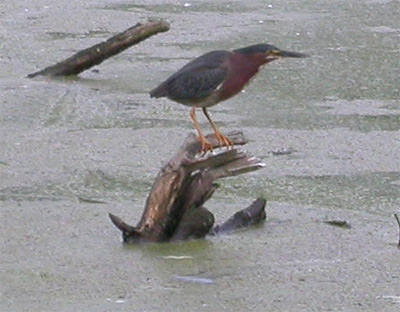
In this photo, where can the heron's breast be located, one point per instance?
(241, 70)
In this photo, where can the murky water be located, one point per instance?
(73, 150)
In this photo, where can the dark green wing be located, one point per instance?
(196, 80)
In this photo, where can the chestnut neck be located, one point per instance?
(241, 68)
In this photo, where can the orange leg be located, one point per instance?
(222, 139)
(205, 145)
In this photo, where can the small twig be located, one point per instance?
(339, 223)
(398, 223)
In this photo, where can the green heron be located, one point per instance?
(215, 77)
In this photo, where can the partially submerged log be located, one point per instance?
(398, 223)
(174, 208)
(243, 218)
(94, 55)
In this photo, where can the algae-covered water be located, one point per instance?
(72, 150)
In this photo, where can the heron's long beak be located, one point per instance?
(291, 54)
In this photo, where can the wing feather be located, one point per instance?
(196, 80)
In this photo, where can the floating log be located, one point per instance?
(174, 208)
(92, 56)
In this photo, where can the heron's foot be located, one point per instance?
(205, 145)
(223, 140)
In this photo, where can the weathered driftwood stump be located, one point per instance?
(92, 56)
(174, 208)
